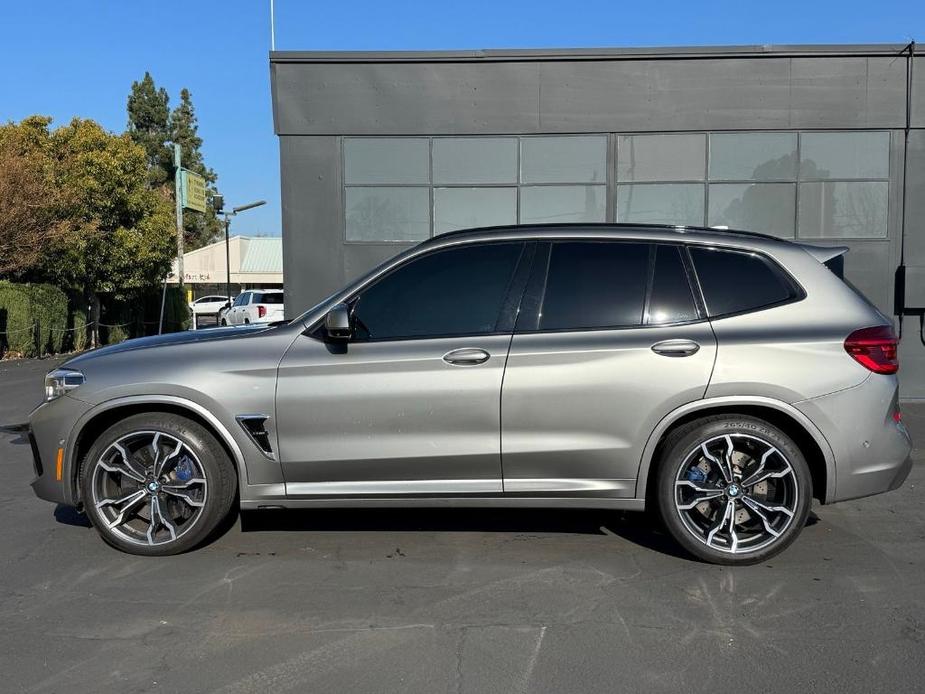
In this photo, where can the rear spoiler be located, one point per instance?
(824, 253)
(833, 257)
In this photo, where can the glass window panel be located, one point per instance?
(733, 282)
(563, 159)
(550, 204)
(661, 203)
(595, 285)
(671, 300)
(475, 160)
(661, 157)
(769, 208)
(839, 209)
(388, 214)
(436, 295)
(844, 155)
(386, 160)
(465, 208)
(753, 156)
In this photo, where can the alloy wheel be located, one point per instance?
(736, 493)
(149, 488)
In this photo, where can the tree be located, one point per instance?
(111, 231)
(200, 228)
(148, 126)
(29, 200)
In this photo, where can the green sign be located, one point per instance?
(193, 191)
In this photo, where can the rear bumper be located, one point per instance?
(871, 449)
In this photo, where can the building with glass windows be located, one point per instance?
(825, 144)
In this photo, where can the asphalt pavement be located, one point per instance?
(454, 600)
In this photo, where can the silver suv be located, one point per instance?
(723, 378)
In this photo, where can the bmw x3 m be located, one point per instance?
(723, 379)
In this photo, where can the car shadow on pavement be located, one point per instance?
(637, 528)
(68, 515)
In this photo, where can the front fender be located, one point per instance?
(236, 441)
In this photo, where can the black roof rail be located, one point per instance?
(681, 229)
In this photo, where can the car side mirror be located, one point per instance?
(338, 323)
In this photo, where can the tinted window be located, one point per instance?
(453, 292)
(595, 285)
(273, 298)
(671, 300)
(734, 281)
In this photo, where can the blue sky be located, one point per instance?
(79, 57)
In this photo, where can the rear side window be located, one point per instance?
(458, 291)
(595, 285)
(736, 281)
(671, 300)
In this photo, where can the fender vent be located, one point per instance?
(255, 426)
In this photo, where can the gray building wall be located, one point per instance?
(320, 98)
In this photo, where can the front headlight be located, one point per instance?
(61, 381)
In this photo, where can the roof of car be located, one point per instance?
(654, 231)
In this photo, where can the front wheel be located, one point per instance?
(157, 484)
(733, 490)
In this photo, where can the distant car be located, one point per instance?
(255, 306)
(209, 304)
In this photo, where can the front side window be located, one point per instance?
(595, 285)
(736, 281)
(457, 291)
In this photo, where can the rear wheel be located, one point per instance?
(733, 490)
(157, 484)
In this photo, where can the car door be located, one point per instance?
(238, 312)
(410, 404)
(610, 339)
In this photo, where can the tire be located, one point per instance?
(739, 521)
(140, 512)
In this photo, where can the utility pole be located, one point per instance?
(178, 194)
(178, 185)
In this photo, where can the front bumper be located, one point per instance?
(50, 435)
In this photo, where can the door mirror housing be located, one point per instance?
(338, 322)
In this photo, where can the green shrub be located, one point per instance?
(17, 334)
(49, 308)
(75, 339)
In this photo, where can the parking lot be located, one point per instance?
(454, 601)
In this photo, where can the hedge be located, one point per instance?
(34, 319)
(38, 319)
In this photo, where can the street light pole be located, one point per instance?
(227, 258)
(228, 215)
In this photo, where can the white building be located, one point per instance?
(256, 263)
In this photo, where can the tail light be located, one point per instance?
(261, 311)
(874, 349)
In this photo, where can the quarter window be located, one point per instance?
(595, 285)
(458, 291)
(735, 282)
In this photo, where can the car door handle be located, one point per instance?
(467, 356)
(676, 348)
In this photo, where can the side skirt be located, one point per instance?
(447, 502)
